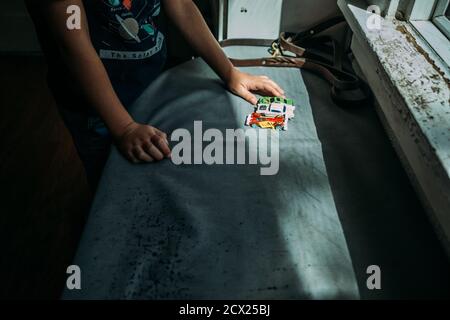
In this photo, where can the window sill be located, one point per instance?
(412, 87)
(437, 41)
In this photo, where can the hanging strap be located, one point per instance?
(307, 51)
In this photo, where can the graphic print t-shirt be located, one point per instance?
(128, 41)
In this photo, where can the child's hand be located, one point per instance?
(142, 143)
(242, 84)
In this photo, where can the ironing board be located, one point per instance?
(166, 231)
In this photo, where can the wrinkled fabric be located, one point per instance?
(162, 231)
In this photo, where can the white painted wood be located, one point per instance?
(254, 19)
(393, 7)
(443, 23)
(217, 18)
(421, 9)
(384, 5)
(413, 9)
(437, 40)
(441, 7)
(414, 105)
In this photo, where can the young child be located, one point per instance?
(98, 70)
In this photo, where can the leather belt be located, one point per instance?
(346, 87)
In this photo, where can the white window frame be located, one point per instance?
(439, 17)
(426, 16)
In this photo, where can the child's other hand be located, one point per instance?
(242, 84)
(142, 143)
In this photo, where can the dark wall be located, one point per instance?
(17, 34)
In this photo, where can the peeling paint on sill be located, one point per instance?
(408, 64)
(411, 39)
(421, 81)
(410, 81)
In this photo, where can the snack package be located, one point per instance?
(272, 113)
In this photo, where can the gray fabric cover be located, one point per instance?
(162, 231)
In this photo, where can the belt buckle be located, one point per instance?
(275, 50)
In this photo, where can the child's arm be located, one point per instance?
(187, 17)
(136, 141)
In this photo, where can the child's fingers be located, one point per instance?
(153, 151)
(163, 135)
(130, 156)
(275, 85)
(161, 144)
(247, 95)
(266, 88)
(142, 155)
(271, 90)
